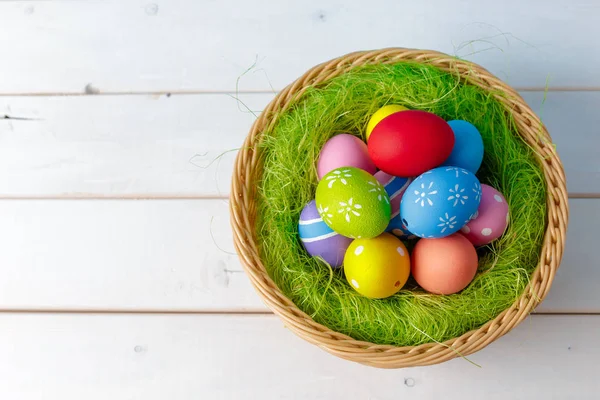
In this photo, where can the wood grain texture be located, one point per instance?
(174, 255)
(121, 145)
(181, 45)
(573, 121)
(254, 357)
(159, 146)
(120, 255)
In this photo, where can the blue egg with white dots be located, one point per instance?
(467, 152)
(397, 228)
(440, 202)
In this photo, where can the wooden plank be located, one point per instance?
(573, 120)
(175, 256)
(254, 357)
(159, 146)
(121, 145)
(167, 255)
(574, 288)
(184, 45)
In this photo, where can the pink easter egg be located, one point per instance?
(491, 218)
(344, 151)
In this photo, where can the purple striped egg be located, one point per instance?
(318, 239)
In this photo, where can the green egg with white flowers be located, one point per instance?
(353, 203)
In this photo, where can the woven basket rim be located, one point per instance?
(248, 167)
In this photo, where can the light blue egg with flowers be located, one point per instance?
(440, 202)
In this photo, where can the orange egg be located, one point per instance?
(444, 266)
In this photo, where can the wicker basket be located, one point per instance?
(248, 170)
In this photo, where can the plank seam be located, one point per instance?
(204, 312)
(158, 196)
(180, 92)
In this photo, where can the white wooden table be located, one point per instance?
(117, 277)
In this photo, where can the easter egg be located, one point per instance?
(397, 228)
(468, 146)
(344, 151)
(491, 219)
(395, 187)
(440, 202)
(444, 266)
(378, 267)
(410, 142)
(353, 203)
(381, 114)
(318, 239)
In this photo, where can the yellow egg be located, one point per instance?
(378, 267)
(381, 114)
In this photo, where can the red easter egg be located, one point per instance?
(411, 142)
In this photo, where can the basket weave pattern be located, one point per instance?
(248, 171)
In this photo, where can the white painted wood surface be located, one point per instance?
(115, 255)
(134, 99)
(153, 357)
(149, 45)
(159, 146)
(121, 145)
(175, 255)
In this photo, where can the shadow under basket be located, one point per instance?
(243, 206)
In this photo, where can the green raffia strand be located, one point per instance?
(411, 317)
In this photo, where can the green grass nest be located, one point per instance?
(411, 317)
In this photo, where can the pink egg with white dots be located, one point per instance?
(491, 218)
